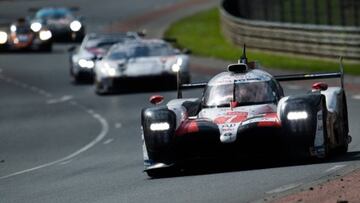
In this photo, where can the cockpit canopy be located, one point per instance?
(246, 89)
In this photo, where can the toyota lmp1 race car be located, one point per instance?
(244, 111)
(149, 61)
(62, 22)
(93, 47)
(20, 37)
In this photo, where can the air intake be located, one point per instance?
(237, 68)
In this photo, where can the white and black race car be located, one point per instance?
(147, 61)
(94, 47)
(244, 111)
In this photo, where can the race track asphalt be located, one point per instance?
(60, 142)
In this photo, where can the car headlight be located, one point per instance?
(45, 35)
(108, 70)
(36, 26)
(3, 37)
(83, 63)
(75, 25)
(297, 115)
(176, 66)
(159, 126)
(13, 28)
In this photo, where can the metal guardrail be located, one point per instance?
(316, 40)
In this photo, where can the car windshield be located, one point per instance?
(248, 93)
(142, 50)
(103, 44)
(151, 50)
(23, 29)
(53, 14)
(117, 55)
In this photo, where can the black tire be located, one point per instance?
(46, 48)
(345, 134)
(100, 89)
(161, 172)
(76, 79)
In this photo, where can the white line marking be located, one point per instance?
(60, 100)
(101, 136)
(118, 125)
(335, 168)
(26, 86)
(356, 96)
(65, 162)
(108, 141)
(284, 188)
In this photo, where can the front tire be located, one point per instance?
(100, 88)
(161, 172)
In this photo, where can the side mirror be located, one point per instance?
(141, 33)
(97, 58)
(170, 40)
(71, 49)
(156, 99)
(233, 104)
(186, 51)
(319, 86)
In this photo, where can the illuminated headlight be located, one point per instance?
(13, 28)
(109, 70)
(75, 25)
(3, 37)
(83, 63)
(36, 26)
(297, 115)
(159, 126)
(45, 35)
(176, 66)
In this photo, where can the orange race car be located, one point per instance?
(20, 37)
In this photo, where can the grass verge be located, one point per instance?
(201, 33)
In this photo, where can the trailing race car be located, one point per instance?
(93, 47)
(63, 24)
(139, 61)
(20, 37)
(243, 111)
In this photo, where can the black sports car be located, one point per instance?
(62, 23)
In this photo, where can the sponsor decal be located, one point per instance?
(231, 117)
(188, 126)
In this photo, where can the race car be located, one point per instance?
(19, 37)
(61, 21)
(147, 61)
(244, 112)
(93, 47)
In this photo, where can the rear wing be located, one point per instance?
(312, 76)
(280, 78)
